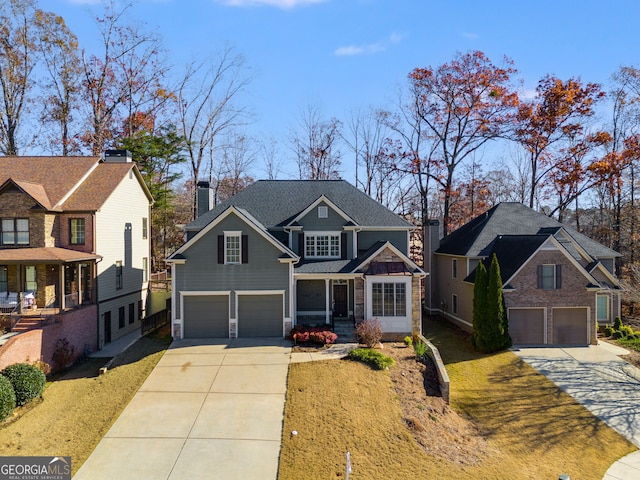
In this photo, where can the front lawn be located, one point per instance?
(78, 408)
(529, 428)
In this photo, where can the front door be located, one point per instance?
(340, 304)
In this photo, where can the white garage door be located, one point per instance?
(526, 326)
(206, 316)
(570, 326)
(260, 315)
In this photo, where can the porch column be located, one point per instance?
(61, 283)
(326, 301)
(79, 281)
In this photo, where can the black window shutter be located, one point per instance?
(539, 285)
(558, 276)
(245, 248)
(220, 248)
(343, 245)
(301, 244)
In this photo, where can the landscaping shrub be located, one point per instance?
(369, 332)
(371, 357)
(420, 349)
(626, 330)
(64, 353)
(408, 341)
(315, 335)
(28, 381)
(617, 335)
(617, 323)
(7, 398)
(608, 330)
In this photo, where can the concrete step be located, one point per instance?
(25, 324)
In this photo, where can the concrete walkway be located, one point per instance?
(604, 383)
(209, 409)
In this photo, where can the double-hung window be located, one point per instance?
(232, 247)
(602, 308)
(389, 299)
(322, 245)
(15, 231)
(119, 275)
(76, 231)
(4, 279)
(549, 277)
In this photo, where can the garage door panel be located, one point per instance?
(206, 316)
(526, 326)
(260, 315)
(570, 326)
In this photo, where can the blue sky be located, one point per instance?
(340, 55)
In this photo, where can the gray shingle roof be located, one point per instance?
(475, 239)
(275, 203)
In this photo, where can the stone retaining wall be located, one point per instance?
(443, 376)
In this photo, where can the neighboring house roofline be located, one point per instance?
(560, 248)
(35, 190)
(70, 192)
(259, 228)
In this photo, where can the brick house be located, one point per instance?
(557, 282)
(74, 238)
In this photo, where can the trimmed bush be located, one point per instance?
(371, 357)
(7, 398)
(315, 335)
(608, 330)
(369, 332)
(28, 381)
(617, 335)
(408, 341)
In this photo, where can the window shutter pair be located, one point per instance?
(244, 245)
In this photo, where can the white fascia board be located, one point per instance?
(313, 205)
(393, 248)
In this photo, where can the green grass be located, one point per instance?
(532, 429)
(630, 343)
(79, 407)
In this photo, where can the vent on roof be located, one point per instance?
(118, 156)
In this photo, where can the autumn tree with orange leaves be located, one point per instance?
(552, 121)
(462, 105)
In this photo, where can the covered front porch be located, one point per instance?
(324, 300)
(40, 282)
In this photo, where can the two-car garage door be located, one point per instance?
(570, 326)
(207, 316)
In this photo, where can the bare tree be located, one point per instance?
(123, 80)
(208, 106)
(59, 49)
(18, 57)
(315, 144)
(232, 172)
(268, 152)
(369, 138)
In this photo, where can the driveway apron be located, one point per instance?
(209, 409)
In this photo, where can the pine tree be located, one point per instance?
(498, 326)
(479, 308)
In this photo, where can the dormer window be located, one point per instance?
(15, 231)
(322, 245)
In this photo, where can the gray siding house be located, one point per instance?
(286, 253)
(557, 282)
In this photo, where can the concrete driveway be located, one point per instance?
(209, 409)
(604, 383)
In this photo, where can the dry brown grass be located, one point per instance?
(532, 429)
(79, 407)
